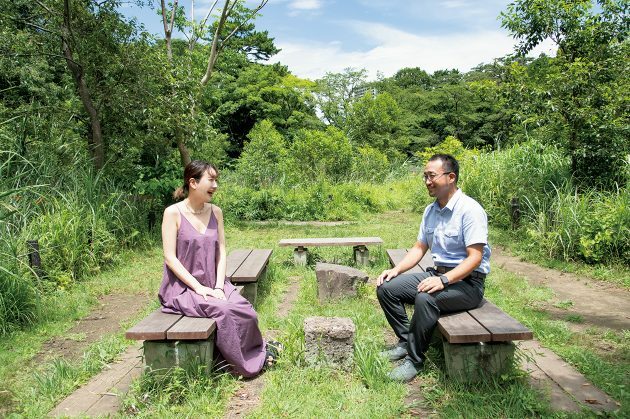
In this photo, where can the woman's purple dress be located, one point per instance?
(238, 337)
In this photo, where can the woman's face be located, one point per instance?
(205, 187)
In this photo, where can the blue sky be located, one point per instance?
(317, 36)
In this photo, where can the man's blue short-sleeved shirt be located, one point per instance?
(448, 231)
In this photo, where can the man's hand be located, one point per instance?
(430, 285)
(386, 276)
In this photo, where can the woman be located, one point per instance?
(194, 282)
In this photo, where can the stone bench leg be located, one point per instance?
(361, 255)
(471, 361)
(164, 354)
(300, 256)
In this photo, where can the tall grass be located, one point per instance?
(79, 219)
(557, 219)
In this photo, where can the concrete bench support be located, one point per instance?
(300, 256)
(361, 255)
(165, 354)
(471, 361)
(359, 247)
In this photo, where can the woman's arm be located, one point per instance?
(221, 260)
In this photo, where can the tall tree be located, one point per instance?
(229, 24)
(578, 87)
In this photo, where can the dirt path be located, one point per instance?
(247, 398)
(104, 319)
(598, 303)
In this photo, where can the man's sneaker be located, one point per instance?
(405, 372)
(396, 353)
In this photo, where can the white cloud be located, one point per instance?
(305, 4)
(395, 49)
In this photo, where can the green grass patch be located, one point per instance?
(293, 388)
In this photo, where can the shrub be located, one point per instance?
(369, 164)
(261, 163)
(316, 155)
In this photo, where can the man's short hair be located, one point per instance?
(449, 163)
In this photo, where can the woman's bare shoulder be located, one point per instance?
(217, 209)
(171, 210)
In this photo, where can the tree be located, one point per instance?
(230, 24)
(577, 92)
(98, 49)
(374, 121)
(336, 91)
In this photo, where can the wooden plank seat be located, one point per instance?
(396, 255)
(245, 267)
(476, 342)
(175, 340)
(359, 245)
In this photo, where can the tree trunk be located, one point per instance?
(96, 145)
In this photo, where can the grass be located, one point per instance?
(293, 388)
(615, 272)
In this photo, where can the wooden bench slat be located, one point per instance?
(235, 259)
(153, 327)
(396, 255)
(462, 328)
(331, 241)
(502, 326)
(252, 267)
(189, 328)
(426, 261)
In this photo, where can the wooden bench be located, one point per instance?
(245, 267)
(175, 340)
(359, 244)
(477, 341)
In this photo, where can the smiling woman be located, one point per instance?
(194, 282)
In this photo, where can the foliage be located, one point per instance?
(370, 164)
(320, 155)
(373, 121)
(578, 91)
(336, 91)
(262, 158)
(556, 219)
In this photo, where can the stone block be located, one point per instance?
(473, 361)
(336, 281)
(329, 341)
(162, 355)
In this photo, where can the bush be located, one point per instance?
(370, 164)
(18, 295)
(316, 155)
(557, 219)
(261, 163)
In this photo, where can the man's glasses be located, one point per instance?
(433, 176)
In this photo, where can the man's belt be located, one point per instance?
(473, 274)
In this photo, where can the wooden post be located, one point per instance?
(34, 260)
(515, 212)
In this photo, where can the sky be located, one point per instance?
(320, 36)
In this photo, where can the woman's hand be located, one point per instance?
(207, 291)
(218, 293)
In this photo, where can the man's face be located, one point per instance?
(438, 181)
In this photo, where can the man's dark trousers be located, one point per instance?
(403, 289)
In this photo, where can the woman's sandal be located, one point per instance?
(274, 348)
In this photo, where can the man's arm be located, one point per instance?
(413, 256)
(474, 254)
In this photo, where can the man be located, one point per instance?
(455, 228)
